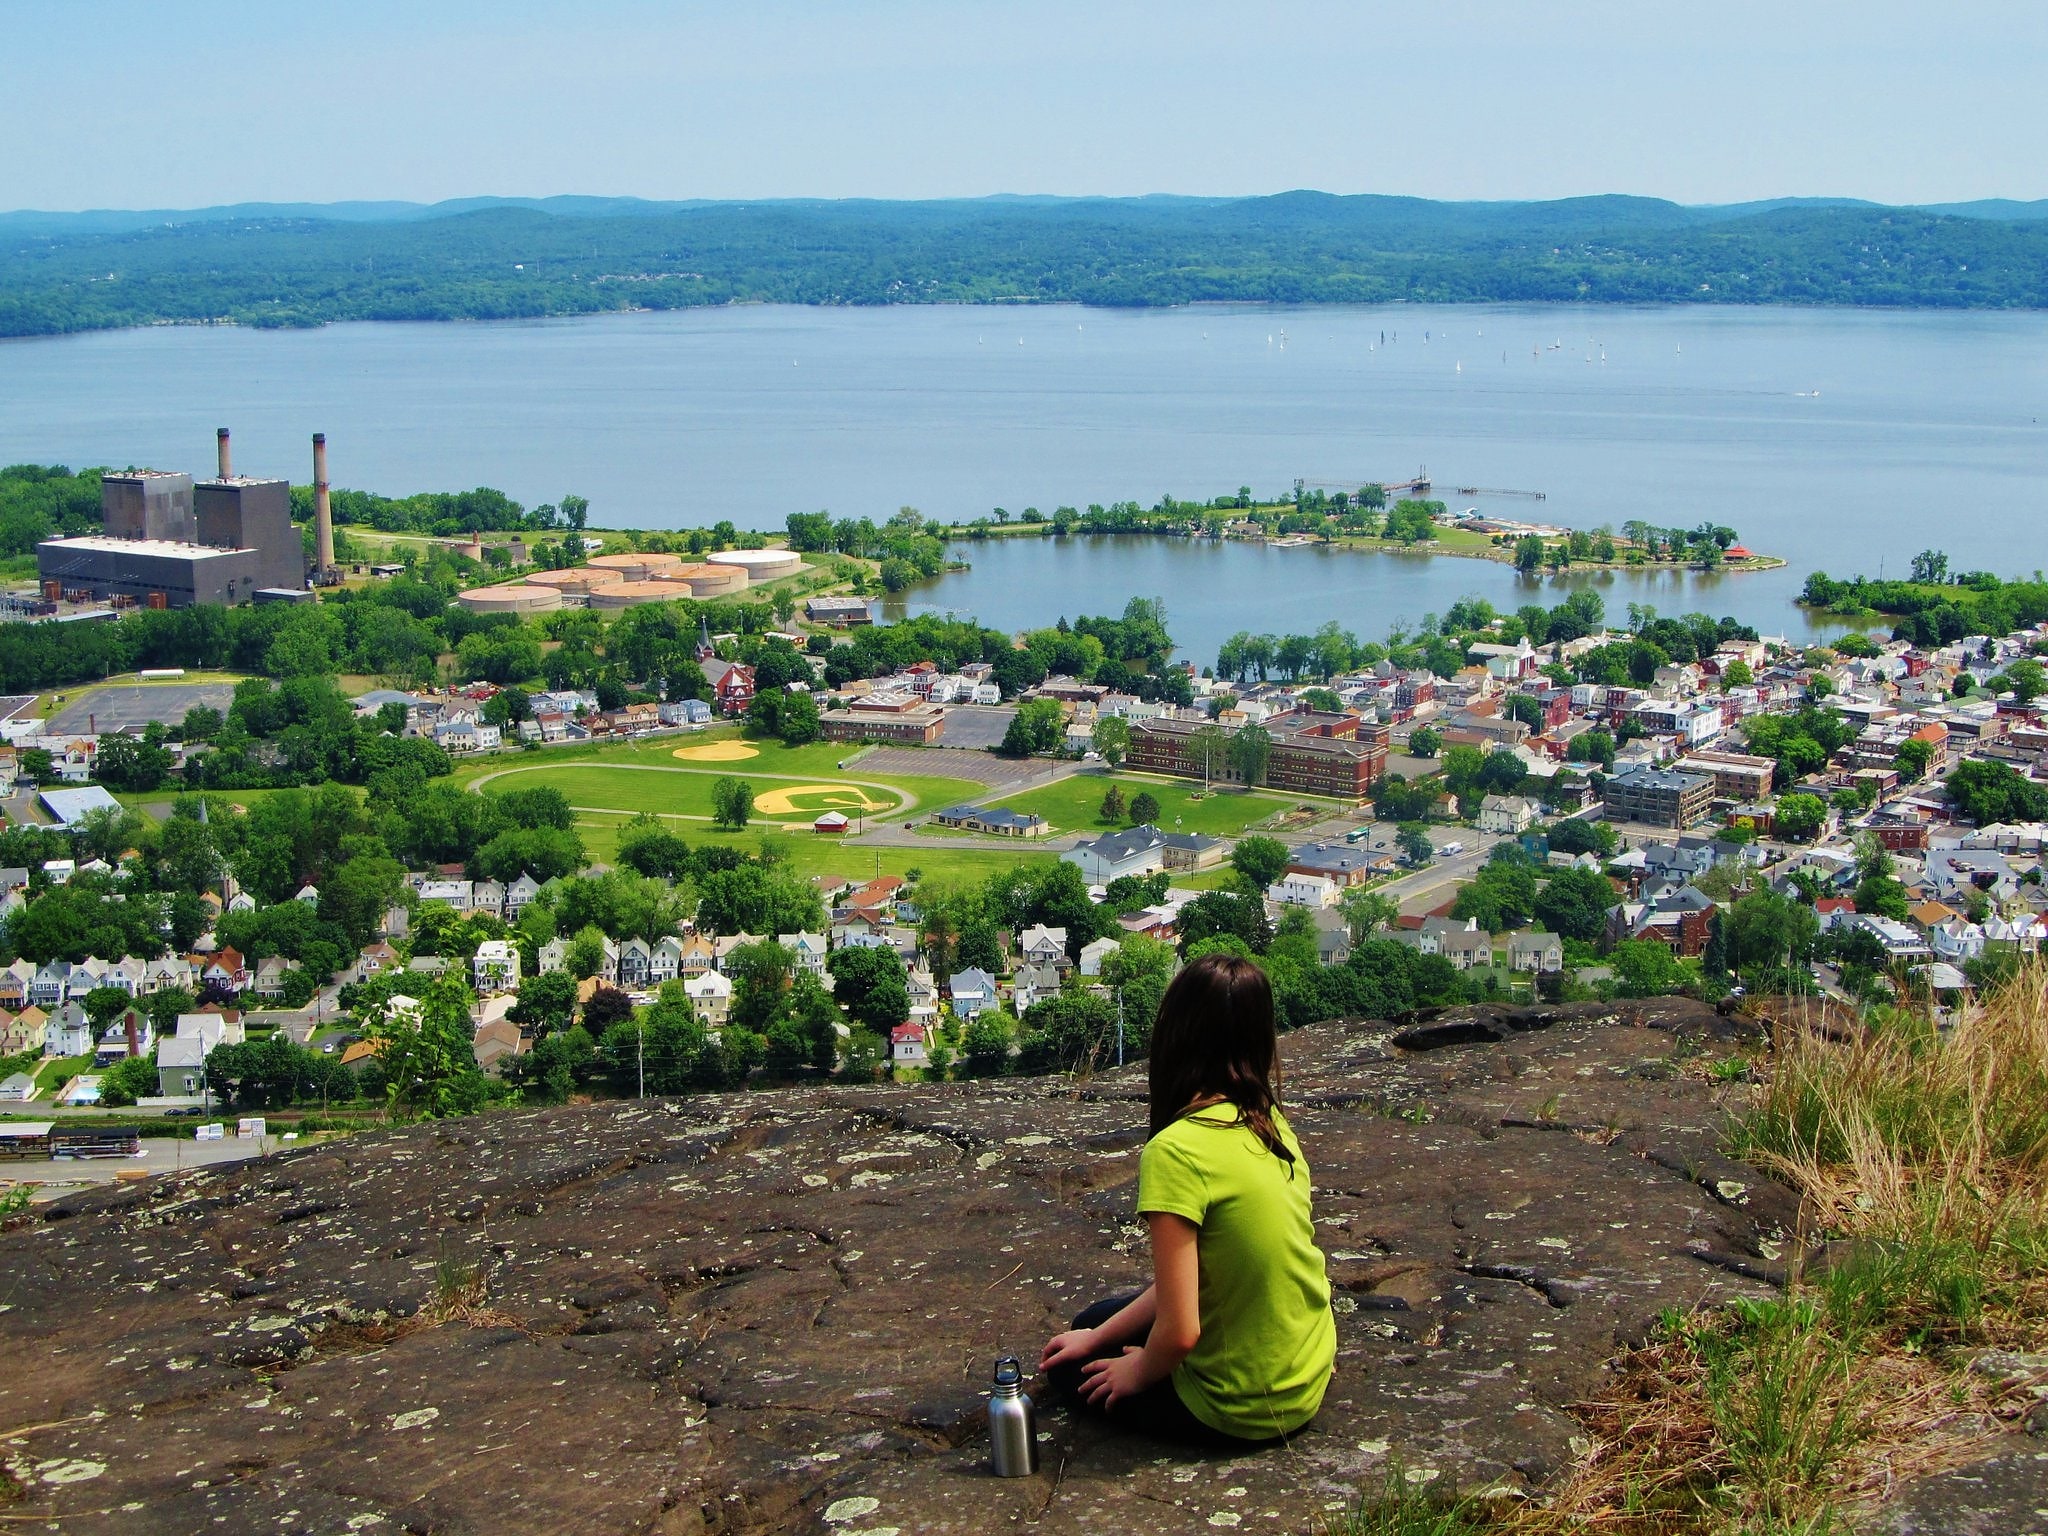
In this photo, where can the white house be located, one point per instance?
(1040, 945)
(1295, 889)
(1509, 815)
(497, 966)
(1093, 954)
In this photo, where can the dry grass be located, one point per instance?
(1922, 1155)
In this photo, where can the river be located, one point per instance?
(1838, 439)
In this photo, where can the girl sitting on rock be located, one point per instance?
(1233, 1342)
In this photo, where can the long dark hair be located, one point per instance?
(1213, 1040)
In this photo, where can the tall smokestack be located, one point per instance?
(323, 514)
(227, 464)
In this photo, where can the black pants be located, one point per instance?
(1158, 1410)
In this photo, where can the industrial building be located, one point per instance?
(171, 543)
(1659, 797)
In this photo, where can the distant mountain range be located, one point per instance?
(479, 258)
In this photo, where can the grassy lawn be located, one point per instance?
(810, 854)
(1072, 804)
(55, 1074)
(663, 791)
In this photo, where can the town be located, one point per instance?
(627, 831)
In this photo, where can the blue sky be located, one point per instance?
(183, 103)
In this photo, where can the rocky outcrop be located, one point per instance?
(776, 1312)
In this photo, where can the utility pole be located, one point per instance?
(1119, 1026)
(640, 1052)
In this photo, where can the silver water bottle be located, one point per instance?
(1012, 1429)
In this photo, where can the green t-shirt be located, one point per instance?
(1268, 1339)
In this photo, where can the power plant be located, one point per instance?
(169, 542)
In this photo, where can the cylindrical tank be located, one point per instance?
(634, 567)
(711, 580)
(514, 597)
(578, 580)
(631, 594)
(762, 564)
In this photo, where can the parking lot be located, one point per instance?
(131, 706)
(977, 726)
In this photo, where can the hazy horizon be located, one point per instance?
(126, 105)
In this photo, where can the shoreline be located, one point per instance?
(957, 534)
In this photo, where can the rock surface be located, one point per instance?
(776, 1312)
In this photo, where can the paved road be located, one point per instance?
(50, 1177)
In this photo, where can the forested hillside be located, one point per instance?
(293, 267)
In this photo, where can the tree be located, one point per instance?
(1800, 817)
(732, 802)
(1576, 835)
(1144, 809)
(1414, 842)
(424, 1053)
(1573, 903)
(1366, 912)
(2027, 679)
(1038, 726)
(1645, 968)
(1425, 741)
(1113, 806)
(869, 984)
(985, 1045)
(1913, 758)
(1259, 861)
(547, 1002)
(1111, 739)
(800, 721)
(1988, 792)
(1251, 749)
(1528, 553)
(1238, 914)
(1766, 930)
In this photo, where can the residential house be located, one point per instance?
(130, 1034)
(1681, 918)
(552, 955)
(1033, 984)
(711, 995)
(268, 982)
(15, 980)
(308, 895)
(67, 1031)
(636, 959)
(487, 896)
(1541, 953)
(374, 959)
(1509, 815)
(665, 961)
(924, 992)
(971, 991)
(459, 894)
(910, 1044)
(496, 967)
(495, 1041)
(1040, 945)
(18, 1087)
(723, 946)
(1465, 944)
(807, 949)
(1094, 953)
(519, 896)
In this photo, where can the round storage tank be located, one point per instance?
(578, 580)
(710, 580)
(762, 564)
(631, 594)
(516, 597)
(634, 567)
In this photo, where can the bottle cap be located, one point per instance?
(1008, 1371)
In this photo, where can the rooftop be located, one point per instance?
(99, 543)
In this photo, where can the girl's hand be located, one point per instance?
(1105, 1383)
(1075, 1344)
